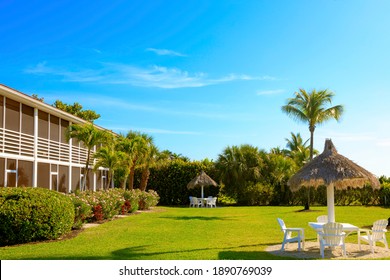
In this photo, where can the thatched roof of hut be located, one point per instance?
(332, 168)
(201, 180)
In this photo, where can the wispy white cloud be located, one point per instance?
(164, 52)
(155, 130)
(154, 76)
(85, 75)
(270, 92)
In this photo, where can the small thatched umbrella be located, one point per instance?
(334, 171)
(201, 180)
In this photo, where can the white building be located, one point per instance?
(33, 147)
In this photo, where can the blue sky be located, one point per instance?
(202, 75)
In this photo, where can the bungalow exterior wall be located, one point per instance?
(33, 147)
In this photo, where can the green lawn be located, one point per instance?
(190, 234)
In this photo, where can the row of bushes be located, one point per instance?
(92, 206)
(259, 194)
(35, 214)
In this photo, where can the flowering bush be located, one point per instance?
(147, 199)
(82, 210)
(131, 198)
(105, 204)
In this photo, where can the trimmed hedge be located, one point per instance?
(170, 181)
(33, 214)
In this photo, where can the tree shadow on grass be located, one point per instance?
(203, 218)
(144, 253)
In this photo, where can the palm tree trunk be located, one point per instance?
(109, 175)
(86, 171)
(311, 128)
(124, 182)
(131, 178)
(144, 179)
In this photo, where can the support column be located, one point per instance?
(330, 202)
(70, 164)
(35, 162)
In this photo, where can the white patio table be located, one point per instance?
(348, 228)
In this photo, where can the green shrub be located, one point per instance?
(147, 199)
(105, 204)
(82, 210)
(131, 201)
(256, 194)
(33, 214)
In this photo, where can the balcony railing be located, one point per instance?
(16, 143)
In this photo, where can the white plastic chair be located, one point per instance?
(332, 235)
(211, 202)
(197, 202)
(322, 219)
(288, 235)
(376, 234)
(192, 201)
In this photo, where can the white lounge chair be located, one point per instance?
(288, 235)
(332, 235)
(376, 234)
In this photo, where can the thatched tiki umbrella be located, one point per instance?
(201, 180)
(332, 170)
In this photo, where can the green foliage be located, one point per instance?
(103, 204)
(77, 110)
(82, 210)
(384, 194)
(256, 194)
(33, 214)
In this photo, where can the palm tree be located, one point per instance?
(141, 149)
(149, 159)
(311, 108)
(128, 147)
(90, 137)
(298, 150)
(109, 157)
(238, 165)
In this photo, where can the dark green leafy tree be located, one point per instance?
(77, 110)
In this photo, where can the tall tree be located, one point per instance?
(238, 165)
(311, 108)
(140, 150)
(77, 110)
(90, 137)
(109, 157)
(150, 158)
(298, 150)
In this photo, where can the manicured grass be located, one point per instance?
(190, 234)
